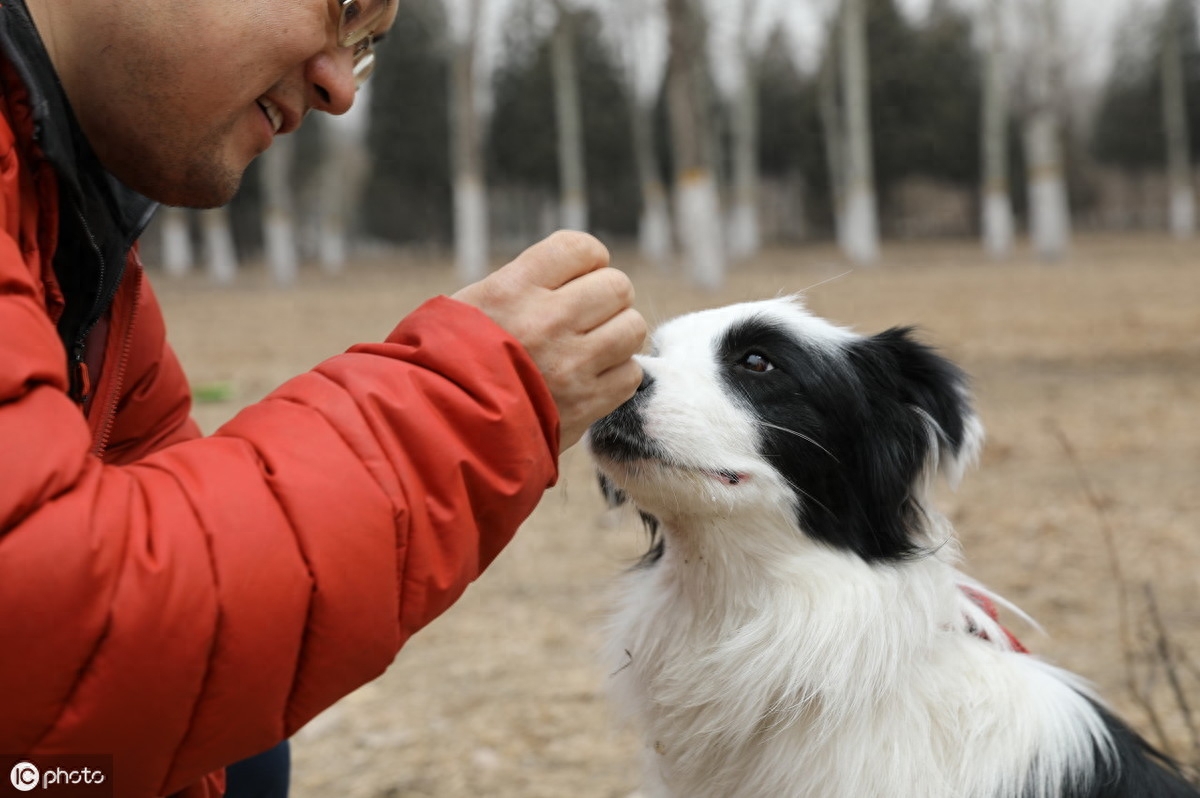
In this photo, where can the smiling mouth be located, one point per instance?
(272, 112)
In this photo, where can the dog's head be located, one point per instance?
(764, 407)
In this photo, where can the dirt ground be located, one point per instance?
(1087, 374)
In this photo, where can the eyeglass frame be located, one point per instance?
(360, 40)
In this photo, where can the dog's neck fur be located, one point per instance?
(833, 676)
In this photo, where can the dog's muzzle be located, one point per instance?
(621, 435)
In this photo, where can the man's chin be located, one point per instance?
(199, 186)
(193, 193)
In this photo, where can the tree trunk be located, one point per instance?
(997, 216)
(177, 242)
(698, 205)
(571, 171)
(860, 215)
(654, 226)
(470, 194)
(346, 160)
(1049, 214)
(745, 238)
(218, 240)
(1175, 118)
(833, 131)
(278, 211)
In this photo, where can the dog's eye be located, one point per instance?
(756, 362)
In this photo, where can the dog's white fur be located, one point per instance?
(760, 663)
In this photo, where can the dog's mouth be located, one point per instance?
(635, 462)
(621, 440)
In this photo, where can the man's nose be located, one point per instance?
(330, 78)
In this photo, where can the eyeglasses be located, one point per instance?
(357, 21)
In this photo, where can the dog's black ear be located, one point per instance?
(613, 496)
(936, 388)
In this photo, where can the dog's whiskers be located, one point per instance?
(802, 437)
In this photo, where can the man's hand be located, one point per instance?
(574, 315)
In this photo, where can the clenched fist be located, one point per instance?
(574, 315)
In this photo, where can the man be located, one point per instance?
(181, 602)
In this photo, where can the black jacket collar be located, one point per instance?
(99, 217)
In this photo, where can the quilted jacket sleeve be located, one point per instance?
(197, 604)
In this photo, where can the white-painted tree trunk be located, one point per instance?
(654, 224)
(1175, 118)
(220, 251)
(833, 131)
(466, 136)
(571, 170)
(698, 207)
(745, 237)
(470, 229)
(861, 219)
(1049, 210)
(346, 161)
(699, 213)
(997, 212)
(999, 228)
(278, 211)
(178, 257)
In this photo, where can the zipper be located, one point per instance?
(81, 380)
(109, 414)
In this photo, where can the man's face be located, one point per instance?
(178, 98)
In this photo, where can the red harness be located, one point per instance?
(988, 606)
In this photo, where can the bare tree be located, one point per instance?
(1175, 118)
(698, 206)
(219, 246)
(997, 213)
(636, 30)
(1049, 213)
(573, 205)
(860, 216)
(466, 132)
(832, 129)
(342, 175)
(745, 238)
(278, 211)
(177, 241)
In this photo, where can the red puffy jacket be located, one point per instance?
(183, 602)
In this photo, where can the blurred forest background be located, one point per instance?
(704, 130)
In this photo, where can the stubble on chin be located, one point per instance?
(182, 174)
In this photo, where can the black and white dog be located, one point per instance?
(799, 627)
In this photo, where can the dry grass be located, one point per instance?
(503, 697)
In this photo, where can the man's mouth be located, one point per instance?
(272, 112)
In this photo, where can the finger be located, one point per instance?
(594, 298)
(562, 257)
(617, 386)
(606, 394)
(616, 341)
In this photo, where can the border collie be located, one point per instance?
(799, 627)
